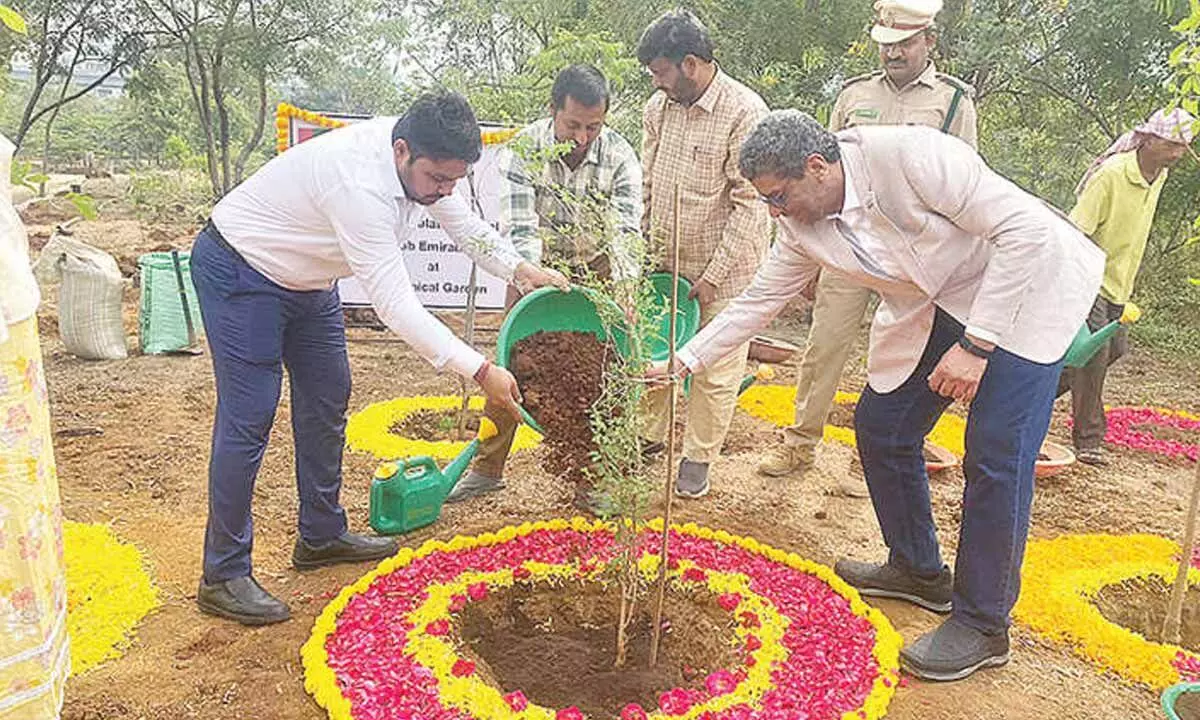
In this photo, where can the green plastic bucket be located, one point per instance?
(551, 310)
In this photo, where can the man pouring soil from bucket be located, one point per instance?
(264, 269)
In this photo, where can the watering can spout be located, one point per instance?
(452, 472)
(1087, 343)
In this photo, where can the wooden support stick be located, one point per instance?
(668, 491)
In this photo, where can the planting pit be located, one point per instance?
(536, 638)
(436, 425)
(1141, 606)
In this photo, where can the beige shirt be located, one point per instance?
(18, 290)
(724, 228)
(873, 100)
(967, 240)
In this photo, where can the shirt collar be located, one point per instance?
(1133, 171)
(708, 101)
(852, 201)
(928, 77)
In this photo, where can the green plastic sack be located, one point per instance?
(162, 324)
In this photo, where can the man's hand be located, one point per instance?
(501, 388)
(659, 375)
(706, 291)
(957, 374)
(528, 276)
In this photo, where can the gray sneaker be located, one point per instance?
(692, 480)
(474, 484)
(953, 651)
(884, 580)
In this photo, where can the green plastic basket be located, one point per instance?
(551, 310)
(162, 325)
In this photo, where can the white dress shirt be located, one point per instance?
(334, 207)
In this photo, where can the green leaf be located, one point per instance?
(84, 204)
(37, 178)
(12, 19)
(1194, 281)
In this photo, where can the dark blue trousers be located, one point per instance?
(1007, 422)
(255, 328)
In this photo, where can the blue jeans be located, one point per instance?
(1008, 420)
(255, 328)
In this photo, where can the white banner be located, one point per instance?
(439, 272)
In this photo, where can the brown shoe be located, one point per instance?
(784, 459)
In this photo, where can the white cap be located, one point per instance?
(898, 20)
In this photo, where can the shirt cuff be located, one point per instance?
(687, 357)
(985, 335)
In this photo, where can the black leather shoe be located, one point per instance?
(241, 599)
(349, 548)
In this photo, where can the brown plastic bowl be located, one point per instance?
(945, 458)
(1060, 456)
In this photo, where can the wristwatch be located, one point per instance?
(965, 343)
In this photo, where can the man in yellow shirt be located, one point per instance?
(1117, 198)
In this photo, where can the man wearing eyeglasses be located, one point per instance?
(982, 288)
(907, 91)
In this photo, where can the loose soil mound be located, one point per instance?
(1141, 606)
(436, 425)
(558, 646)
(561, 375)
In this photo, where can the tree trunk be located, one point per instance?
(1170, 632)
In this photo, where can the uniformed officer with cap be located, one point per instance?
(907, 91)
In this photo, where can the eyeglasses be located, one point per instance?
(776, 199)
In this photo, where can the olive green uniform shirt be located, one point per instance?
(872, 99)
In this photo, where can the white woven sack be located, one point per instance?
(89, 306)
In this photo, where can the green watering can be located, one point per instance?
(1087, 343)
(408, 494)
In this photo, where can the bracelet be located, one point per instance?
(965, 343)
(482, 373)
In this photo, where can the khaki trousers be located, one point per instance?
(711, 401)
(836, 318)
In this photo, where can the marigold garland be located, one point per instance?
(1060, 580)
(1123, 424)
(776, 405)
(813, 648)
(370, 430)
(108, 593)
(284, 111)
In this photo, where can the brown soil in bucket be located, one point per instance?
(1141, 606)
(557, 645)
(436, 425)
(561, 375)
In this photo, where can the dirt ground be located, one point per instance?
(145, 474)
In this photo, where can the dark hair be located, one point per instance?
(583, 83)
(675, 35)
(781, 144)
(440, 126)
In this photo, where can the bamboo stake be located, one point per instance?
(660, 599)
(1171, 625)
(469, 331)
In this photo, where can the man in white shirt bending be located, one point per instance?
(264, 269)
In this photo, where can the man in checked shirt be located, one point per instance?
(560, 206)
(693, 129)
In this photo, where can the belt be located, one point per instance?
(220, 240)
